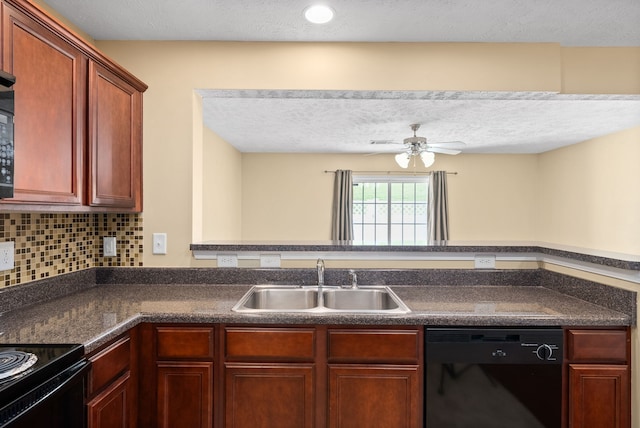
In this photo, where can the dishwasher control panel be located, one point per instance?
(494, 345)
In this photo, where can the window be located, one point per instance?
(390, 210)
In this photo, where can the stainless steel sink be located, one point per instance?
(362, 299)
(277, 299)
(369, 300)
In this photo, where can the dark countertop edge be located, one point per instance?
(286, 247)
(413, 318)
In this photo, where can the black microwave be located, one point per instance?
(6, 134)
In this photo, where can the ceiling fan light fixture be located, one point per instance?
(319, 14)
(402, 159)
(428, 158)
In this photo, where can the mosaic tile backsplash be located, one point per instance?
(47, 245)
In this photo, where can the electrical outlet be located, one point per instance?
(159, 243)
(485, 261)
(227, 260)
(7, 250)
(109, 246)
(270, 260)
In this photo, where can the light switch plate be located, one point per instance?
(7, 250)
(109, 246)
(159, 243)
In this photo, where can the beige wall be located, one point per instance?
(588, 194)
(221, 189)
(173, 69)
(601, 70)
(288, 196)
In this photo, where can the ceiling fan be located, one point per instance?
(418, 147)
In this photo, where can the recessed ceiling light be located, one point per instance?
(318, 14)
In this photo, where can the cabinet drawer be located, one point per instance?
(184, 342)
(597, 345)
(382, 346)
(270, 344)
(109, 364)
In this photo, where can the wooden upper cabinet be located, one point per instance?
(78, 118)
(50, 104)
(115, 152)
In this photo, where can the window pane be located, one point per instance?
(408, 213)
(369, 234)
(408, 234)
(357, 234)
(396, 213)
(357, 192)
(396, 192)
(396, 234)
(408, 192)
(421, 191)
(382, 212)
(381, 234)
(369, 213)
(369, 192)
(421, 234)
(382, 192)
(421, 213)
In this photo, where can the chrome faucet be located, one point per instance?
(320, 268)
(353, 277)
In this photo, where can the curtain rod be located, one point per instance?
(391, 172)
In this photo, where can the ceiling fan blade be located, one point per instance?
(443, 150)
(457, 144)
(383, 142)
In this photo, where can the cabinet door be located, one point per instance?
(374, 397)
(50, 106)
(110, 409)
(269, 396)
(115, 141)
(185, 394)
(599, 396)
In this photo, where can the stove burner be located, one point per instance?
(15, 362)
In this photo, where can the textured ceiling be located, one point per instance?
(568, 22)
(346, 121)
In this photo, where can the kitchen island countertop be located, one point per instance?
(97, 315)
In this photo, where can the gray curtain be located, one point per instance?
(342, 225)
(438, 217)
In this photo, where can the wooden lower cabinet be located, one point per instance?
(183, 391)
(111, 408)
(269, 396)
(599, 378)
(306, 376)
(185, 394)
(112, 385)
(599, 396)
(374, 397)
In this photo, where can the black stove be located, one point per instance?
(33, 374)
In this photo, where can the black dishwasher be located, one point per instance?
(493, 378)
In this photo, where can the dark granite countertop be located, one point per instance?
(100, 313)
(467, 247)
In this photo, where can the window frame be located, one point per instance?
(389, 180)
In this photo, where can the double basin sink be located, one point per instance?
(368, 300)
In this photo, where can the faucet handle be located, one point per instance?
(353, 278)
